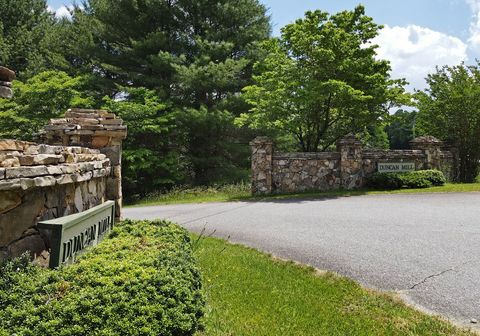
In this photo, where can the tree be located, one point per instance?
(374, 136)
(27, 33)
(195, 55)
(450, 110)
(153, 157)
(401, 129)
(172, 47)
(42, 97)
(321, 80)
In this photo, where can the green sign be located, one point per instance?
(70, 235)
(395, 167)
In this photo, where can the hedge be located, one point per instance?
(143, 280)
(415, 179)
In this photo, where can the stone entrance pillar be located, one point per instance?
(262, 151)
(432, 148)
(97, 129)
(351, 162)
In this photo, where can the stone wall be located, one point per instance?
(294, 172)
(40, 182)
(77, 166)
(347, 168)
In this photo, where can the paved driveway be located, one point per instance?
(424, 246)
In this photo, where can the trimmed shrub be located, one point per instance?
(415, 179)
(435, 176)
(141, 281)
(412, 180)
(423, 179)
(385, 181)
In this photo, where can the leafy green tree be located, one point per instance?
(374, 136)
(153, 157)
(42, 97)
(27, 31)
(321, 80)
(450, 110)
(401, 129)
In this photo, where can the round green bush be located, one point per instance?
(143, 280)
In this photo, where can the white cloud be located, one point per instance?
(474, 40)
(64, 12)
(415, 51)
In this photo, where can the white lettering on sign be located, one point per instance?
(395, 167)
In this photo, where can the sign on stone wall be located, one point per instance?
(395, 167)
(71, 235)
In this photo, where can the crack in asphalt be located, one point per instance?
(431, 276)
(440, 274)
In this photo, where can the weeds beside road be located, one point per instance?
(241, 192)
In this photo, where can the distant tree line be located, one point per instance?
(196, 80)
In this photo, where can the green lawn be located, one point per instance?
(242, 193)
(249, 293)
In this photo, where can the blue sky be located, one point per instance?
(418, 34)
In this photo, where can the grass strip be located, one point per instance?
(242, 193)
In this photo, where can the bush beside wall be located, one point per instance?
(415, 179)
(141, 281)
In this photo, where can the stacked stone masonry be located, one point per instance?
(40, 182)
(347, 168)
(97, 129)
(6, 78)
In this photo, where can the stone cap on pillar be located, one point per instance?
(6, 77)
(426, 141)
(261, 140)
(350, 140)
(85, 127)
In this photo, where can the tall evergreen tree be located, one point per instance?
(26, 33)
(196, 55)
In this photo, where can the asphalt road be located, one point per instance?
(424, 246)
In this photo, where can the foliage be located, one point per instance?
(211, 145)
(385, 181)
(195, 50)
(249, 293)
(152, 155)
(401, 129)
(195, 55)
(185, 194)
(436, 177)
(415, 179)
(141, 281)
(46, 95)
(374, 136)
(450, 110)
(28, 37)
(321, 80)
